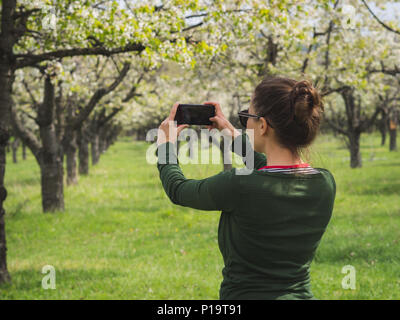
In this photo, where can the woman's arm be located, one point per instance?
(213, 193)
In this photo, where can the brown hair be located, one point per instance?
(294, 109)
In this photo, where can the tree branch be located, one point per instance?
(335, 127)
(132, 92)
(393, 72)
(330, 91)
(106, 119)
(365, 124)
(25, 60)
(30, 116)
(193, 26)
(97, 96)
(20, 27)
(310, 47)
(34, 102)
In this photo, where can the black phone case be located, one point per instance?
(195, 114)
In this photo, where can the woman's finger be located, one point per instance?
(215, 120)
(213, 124)
(173, 111)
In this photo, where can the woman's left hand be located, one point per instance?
(168, 131)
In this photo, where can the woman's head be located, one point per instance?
(294, 110)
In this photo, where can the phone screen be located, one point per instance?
(197, 114)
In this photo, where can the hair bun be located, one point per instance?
(304, 98)
(293, 107)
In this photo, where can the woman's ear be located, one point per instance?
(263, 126)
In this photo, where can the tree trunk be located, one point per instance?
(70, 148)
(357, 123)
(83, 143)
(14, 146)
(4, 275)
(23, 151)
(393, 142)
(106, 135)
(383, 137)
(72, 177)
(110, 136)
(52, 184)
(383, 127)
(354, 148)
(102, 144)
(50, 159)
(393, 130)
(114, 136)
(141, 134)
(7, 41)
(95, 148)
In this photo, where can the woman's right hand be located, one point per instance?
(220, 122)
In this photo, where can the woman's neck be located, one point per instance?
(278, 156)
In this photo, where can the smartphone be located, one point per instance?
(197, 114)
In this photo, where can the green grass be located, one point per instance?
(121, 238)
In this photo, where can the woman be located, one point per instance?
(272, 219)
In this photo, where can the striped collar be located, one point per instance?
(302, 165)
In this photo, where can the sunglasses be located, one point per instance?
(244, 115)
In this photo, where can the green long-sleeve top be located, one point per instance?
(270, 226)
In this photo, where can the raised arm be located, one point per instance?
(213, 193)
